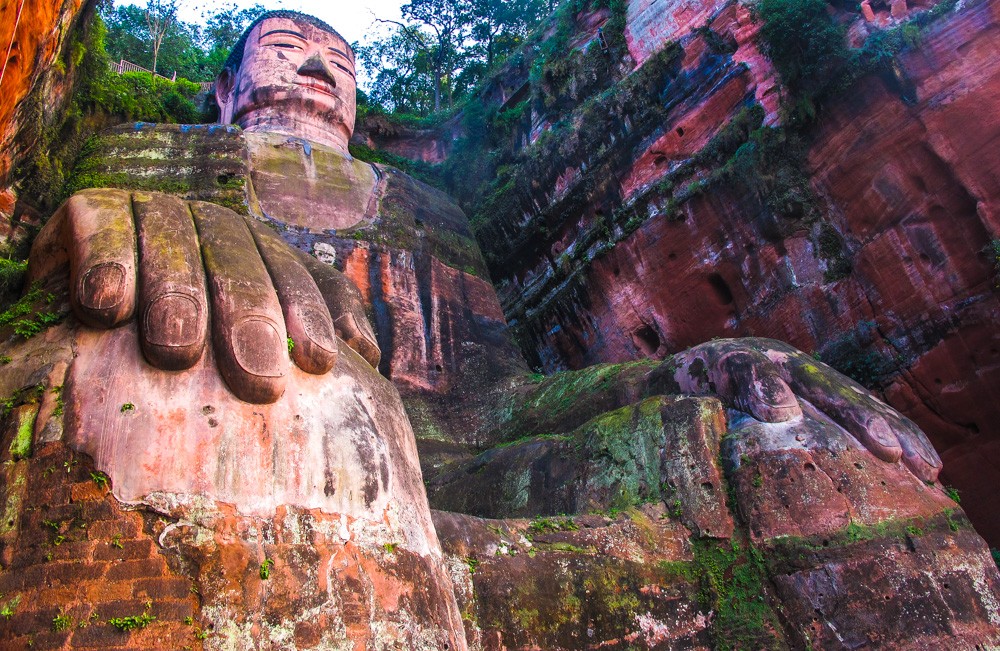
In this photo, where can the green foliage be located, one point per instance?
(542, 525)
(733, 583)
(100, 479)
(417, 169)
(139, 97)
(133, 622)
(806, 46)
(952, 492)
(856, 356)
(127, 408)
(443, 50)
(194, 51)
(11, 276)
(265, 569)
(100, 97)
(8, 609)
(473, 564)
(20, 447)
(28, 317)
(771, 165)
(61, 622)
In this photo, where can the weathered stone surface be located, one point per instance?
(310, 186)
(659, 450)
(196, 162)
(600, 582)
(35, 32)
(227, 486)
(70, 550)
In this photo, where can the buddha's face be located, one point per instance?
(296, 79)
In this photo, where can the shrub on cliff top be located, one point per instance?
(806, 46)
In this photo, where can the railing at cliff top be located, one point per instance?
(124, 66)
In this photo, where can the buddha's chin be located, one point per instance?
(328, 128)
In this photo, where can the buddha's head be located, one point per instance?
(293, 74)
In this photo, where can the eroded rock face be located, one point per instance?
(894, 282)
(35, 32)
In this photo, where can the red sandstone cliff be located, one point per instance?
(33, 34)
(636, 243)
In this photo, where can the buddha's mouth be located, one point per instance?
(318, 85)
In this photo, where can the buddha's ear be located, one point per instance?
(224, 86)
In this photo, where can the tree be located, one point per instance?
(222, 30)
(448, 23)
(499, 26)
(160, 15)
(400, 72)
(448, 45)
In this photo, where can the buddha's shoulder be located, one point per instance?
(206, 162)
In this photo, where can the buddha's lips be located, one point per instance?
(318, 85)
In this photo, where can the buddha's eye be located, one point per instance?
(286, 46)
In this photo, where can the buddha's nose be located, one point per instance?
(316, 66)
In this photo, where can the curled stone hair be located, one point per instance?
(235, 59)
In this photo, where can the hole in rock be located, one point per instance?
(223, 179)
(810, 466)
(646, 339)
(937, 380)
(659, 160)
(419, 222)
(672, 256)
(438, 368)
(826, 543)
(707, 485)
(858, 466)
(680, 131)
(721, 289)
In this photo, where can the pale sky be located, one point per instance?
(352, 18)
